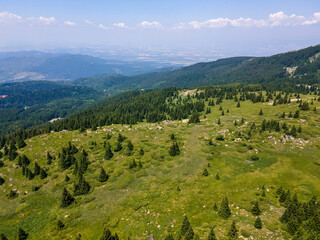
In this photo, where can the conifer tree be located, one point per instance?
(66, 199)
(169, 237)
(238, 104)
(1, 180)
(67, 178)
(205, 172)
(185, 225)
(21, 143)
(215, 207)
(121, 138)
(60, 225)
(189, 234)
(118, 147)
(36, 169)
(49, 158)
(212, 235)
(217, 176)
(260, 113)
(174, 149)
(293, 131)
(141, 152)
(258, 223)
(130, 146)
(108, 153)
(3, 237)
(81, 186)
(256, 210)
(43, 174)
(22, 235)
(233, 232)
(103, 177)
(222, 113)
(224, 210)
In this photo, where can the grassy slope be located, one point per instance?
(146, 201)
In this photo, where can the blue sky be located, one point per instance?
(227, 27)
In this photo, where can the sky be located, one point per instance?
(223, 28)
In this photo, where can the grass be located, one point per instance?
(139, 202)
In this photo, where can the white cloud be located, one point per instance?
(88, 22)
(46, 20)
(120, 25)
(69, 23)
(7, 17)
(103, 27)
(281, 19)
(146, 24)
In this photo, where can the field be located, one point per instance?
(139, 202)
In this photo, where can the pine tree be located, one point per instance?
(217, 176)
(118, 147)
(36, 169)
(205, 172)
(60, 225)
(212, 235)
(141, 152)
(3, 237)
(185, 225)
(260, 113)
(238, 104)
(49, 158)
(189, 234)
(222, 113)
(169, 237)
(174, 149)
(219, 121)
(293, 131)
(130, 146)
(103, 177)
(233, 232)
(121, 138)
(22, 235)
(81, 186)
(258, 223)
(43, 174)
(67, 178)
(256, 210)
(224, 210)
(21, 143)
(66, 199)
(1, 180)
(108, 153)
(172, 136)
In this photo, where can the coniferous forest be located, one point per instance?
(233, 161)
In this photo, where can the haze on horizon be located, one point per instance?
(211, 28)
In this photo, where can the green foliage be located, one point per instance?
(103, 177)
(66, 199)
(174, 149)
(233, 232)
(224, 210)
(255, 209)
(194, 118)
(258, 223)
(185, 226)
(108, 152)
(205, 172)
(81, 187)
(22, 235)
(212, 235)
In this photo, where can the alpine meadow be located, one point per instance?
(105, 141)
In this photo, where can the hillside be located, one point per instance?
(34, 65)
(253, 145)
(302, 66)
(32, 103)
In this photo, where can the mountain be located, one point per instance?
(34, 65)
(232, 161)
(31, 103)
(302, 66)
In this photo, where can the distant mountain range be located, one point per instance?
(34, 65)
(293, 67)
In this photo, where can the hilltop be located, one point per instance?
(166, 154)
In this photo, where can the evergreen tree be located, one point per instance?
(21, 143)
(130, 146)
(174, 149)
(258, 223)
(224, 210)
(185, 225)
(293, 131)
(215, 207)
(194, 118)
(81, 186)
(205, 172)
(118, 147)
(256, 210)
(1, 180)
(36, 169)
(22, 235)
(238, 104)
(233, 232)
(49, 158)
(260, 113)
(169, 237)
(103, 177)
(222, 113)
(212, 235)
(217, 176)
(60, 225)
(141, 152)
(219, 121)
(121, 138)
(66, 199)
(3, 237)
(67, 178)
(189, 234)
(108, 153)
(172, 137)
(133, 164)
(43, 174)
